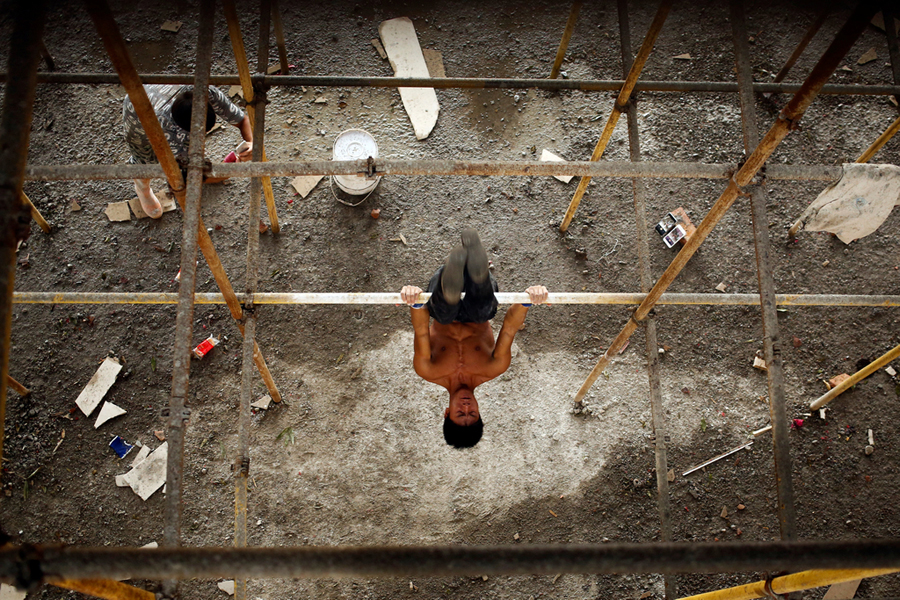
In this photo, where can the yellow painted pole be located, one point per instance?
(240, 55)
(636, 67)
(881, 141)
(564, 43)
(795, 582)
(855, 378)
(35, 213)
(104, 588)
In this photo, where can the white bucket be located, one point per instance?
(355, 144)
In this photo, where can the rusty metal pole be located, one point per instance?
(633, 73)
(814, 28)
(15, 130)
(278, 26)
(657, 413)
(564, 42)
(771, 336)
(788, 120)
(240, 56)
(890, 30)
(128, 77)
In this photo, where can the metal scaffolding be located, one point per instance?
(78, 568)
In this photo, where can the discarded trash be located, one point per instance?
(226, 586)
(379, 48)
(836, 381)
(172, 26)
(759, 363)
(401, 239)
(670, 476)
(434, 60)
(117, 212)
(235, 90)
(402, 47)
(868, 57)
(305, 184)
(165, 200)
(890, 371)
(870, 450)
(376, 212)
(120, 446)
(74, 206)
(845, 590)
(148, 475)
(822, 413)
(856, 205)
(871, 438)
(205, 346)
(355, 144)
(719, 457)
(160, 435)
(262, 403)
(547, 156)
(741, 507)
(9, 592)
(108, 411)
(685, 56)
(675, 227)
(321, 100)
(99, 384)
(722, 287)
(796, 423)
(724, 513)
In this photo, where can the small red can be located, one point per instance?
(205, 346)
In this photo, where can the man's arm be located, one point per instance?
(422, 342)
(512, 323)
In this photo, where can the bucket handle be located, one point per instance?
(331, 185)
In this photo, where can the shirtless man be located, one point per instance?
(458, 351)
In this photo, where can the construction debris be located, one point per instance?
(379, 48)
(172, 26)
(120, 447)
(139, 457)
(434, 60)
(227, 586)
(722, 287)
(759, 363)
(547, 156)
(868, 57)
(108, 411)
(148, 475)
(10, 592)
(402, 46)
(842, 591)
(836, 381)
(118, 212)
(99, 384)
(685, 56)
(305, 184)
(263, 403)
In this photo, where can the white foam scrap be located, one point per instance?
(148, 475)
(227, 586)
(150, 545)
(263, 402)
(548, 156)
(9, 592)
(99, 384)
(108, 411)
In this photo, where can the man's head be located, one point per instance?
(181, 111)
(462, 421)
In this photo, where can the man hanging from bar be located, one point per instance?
(172, 105)
(458, 351)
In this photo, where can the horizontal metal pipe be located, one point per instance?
(314, 562)
(502, 298)
(622, 169)
(599, 85)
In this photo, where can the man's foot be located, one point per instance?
(150, 204)
(453, 276)
(477, 259)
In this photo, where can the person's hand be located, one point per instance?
(246, 155)
(410, 295)
(538, 294)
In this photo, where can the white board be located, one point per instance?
(97, 387)
(402, 46)
(148, 475)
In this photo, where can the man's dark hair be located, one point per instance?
(461, 436)
(181, 111)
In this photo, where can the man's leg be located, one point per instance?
(149, 201)
(480, 304)
(438, 307)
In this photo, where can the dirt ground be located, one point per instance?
(354, 454)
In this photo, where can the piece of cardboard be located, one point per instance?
(108, 411)
(172, 26)
(305, 184)
(262, 403)
(842, 591)
(118, 211)
(99, 384)
(868, 57)
(165, 200)
(150, 474)
(548, 156)
(435, 62)
(402, 46)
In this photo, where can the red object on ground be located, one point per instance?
(796, 423)
(205, 346)
(232, 157)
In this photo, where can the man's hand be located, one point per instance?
(410, 294)
(538, 294)
(246, 155)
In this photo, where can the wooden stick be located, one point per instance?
(279, 38)
(240, 55)
(35, 213)
(795, 582)
(636, 67)
(881, 141)
(20, 389)
(564, 42)
(855, 378)
(104, 588)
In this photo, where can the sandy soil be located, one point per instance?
(365, 463)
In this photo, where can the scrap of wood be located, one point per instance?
(99, 384)
(403, 50)
(547, 156)
(166, 201)
(108, 411)
(118, 211)
(868, 57)
(435, 62)
(379, 48)
(172, 26)
(305, 184)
